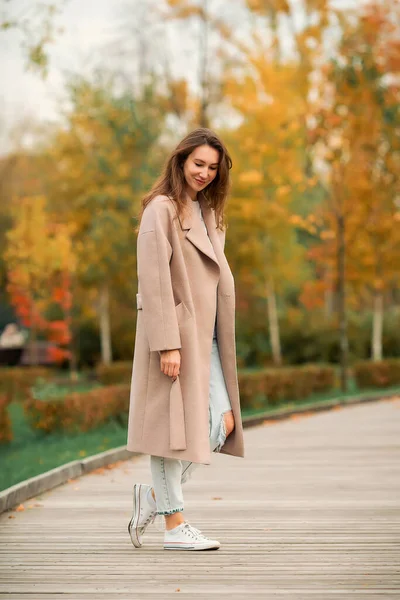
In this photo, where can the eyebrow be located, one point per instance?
(202, 161)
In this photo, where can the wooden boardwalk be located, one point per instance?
(312, 512)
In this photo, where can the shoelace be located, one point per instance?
(197, 531)
(149, 521)
(192, 531)
(152, 518)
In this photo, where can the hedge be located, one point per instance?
(16, 381)
(268, 387)
(79, 411)
(6, 434)
(115, 373)
(380, 374)
(84, 410)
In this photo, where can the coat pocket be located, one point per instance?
(182, 313)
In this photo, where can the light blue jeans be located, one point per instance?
(170, 473)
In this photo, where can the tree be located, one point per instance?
(355, 139)
(38, 252)
(37, 25)
(104, 160)
(268, 148)
(214, 45)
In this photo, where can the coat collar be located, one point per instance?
(195, 232)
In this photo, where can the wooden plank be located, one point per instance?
(313, 511)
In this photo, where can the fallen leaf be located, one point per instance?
(20, 508)
(178, 589)
(37, 504)
(11, 517)
(98, 471)
(217, 498)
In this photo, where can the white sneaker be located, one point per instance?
(186, 537)
(144, 512)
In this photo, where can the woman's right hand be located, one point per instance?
(170, 362)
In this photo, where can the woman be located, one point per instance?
(184, 392)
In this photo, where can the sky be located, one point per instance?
(87, 26)
(90, 27)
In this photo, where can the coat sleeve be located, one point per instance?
(154, 277)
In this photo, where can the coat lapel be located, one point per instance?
(195, 232)
(225, 285)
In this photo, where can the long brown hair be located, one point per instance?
(172, 181)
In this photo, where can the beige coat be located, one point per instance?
(183, 282)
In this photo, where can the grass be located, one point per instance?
(32, 452)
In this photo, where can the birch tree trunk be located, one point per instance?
(203, 75)
(273, 323)
(105, 328)
(328, 296)
(377, 326)
(34, 350)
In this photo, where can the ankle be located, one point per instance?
(174, 520)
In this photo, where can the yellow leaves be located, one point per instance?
(262, 7)
(252, 177)
(37, 249)
(303, 223)
(328, 235)
(296, 220)
(183, 10)
(283, 190)
(379, 284)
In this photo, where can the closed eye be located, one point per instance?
(200, 165)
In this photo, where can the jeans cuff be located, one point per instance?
(169, 512)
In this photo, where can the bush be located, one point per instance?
(16, 381)
(6, 434)
(78, 411)
(311, 337)
(267, 387)
(115, 373)
(381, 374)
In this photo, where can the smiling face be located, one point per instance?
(200, 168)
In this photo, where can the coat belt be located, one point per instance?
(177, 434)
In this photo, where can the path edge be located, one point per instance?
(29, 488)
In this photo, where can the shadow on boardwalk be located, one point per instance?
(313, 511)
